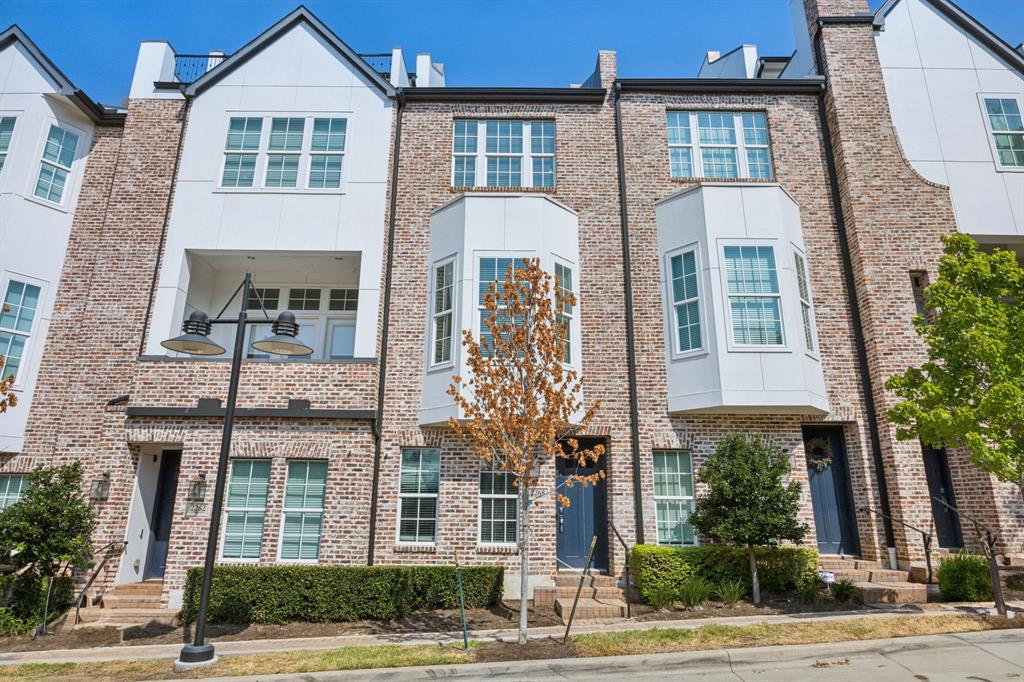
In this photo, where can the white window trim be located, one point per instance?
(812, 352)
(71, 185)
(398, 509)
(26, 359)
(671, 303)
(324, 318)
(263, 153)
(432, 335)
(691, 498)
(696, 153)
(743, 347)
(17, 116)
(480, 511)
(22, 487)
(224, 514)
(301, 510)
(574, 350)
(478, 304)
(982, 96)
(527, 155)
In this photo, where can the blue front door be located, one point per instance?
(831, 495)
(585, 517)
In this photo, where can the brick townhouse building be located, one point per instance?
(748, 249)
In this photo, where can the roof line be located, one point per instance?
(95, 111)
(578, 95)
(813, 85)
(965, 21)
(300, 15)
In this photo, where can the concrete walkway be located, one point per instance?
(992, 655)
(262, 646)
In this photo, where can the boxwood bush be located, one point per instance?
(324, 594)
(659, 569)
(964, 577)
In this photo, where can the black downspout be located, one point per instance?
(855, 318)
(378, 422)
(627, 276)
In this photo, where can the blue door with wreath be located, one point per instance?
(831, 493)
(584, 518)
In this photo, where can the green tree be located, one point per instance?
(970, 391)
(747, 502)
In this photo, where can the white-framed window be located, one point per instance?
(806, 309)
(245, 509)
(6, 133)
(326, 317)
(303, 510)
(565, 310)
(418, 489)
(752, 284)
(12, 487)
(17, 315)
(503, 153)
(241, 150)
(443, 313)
(1006, 129)
(326, 152)
(290, 152)
(284, 150)
(684, 294)
(498, 508)
(493, 269)
(673, 497)
(718, 144)
(55, 167)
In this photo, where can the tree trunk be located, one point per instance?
(755, 584)
(524, 561)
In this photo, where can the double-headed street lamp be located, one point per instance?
(195, 341)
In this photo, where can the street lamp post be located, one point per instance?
(194, 341)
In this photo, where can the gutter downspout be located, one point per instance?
(855, 317)
(378, 422)
(627, 276)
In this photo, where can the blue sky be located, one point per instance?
(501, 42)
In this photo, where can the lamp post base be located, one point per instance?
(192, 657)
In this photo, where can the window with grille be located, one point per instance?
(443, 313)
(1006, 128)
(673, 497)
(718, 144)
(503, 153)
(58, 155)
(683, 287)
(12, 487)
(270, 299)
(6, 133)
(806, 310)
(565, 309)
(492, 270)
(498, 508)
(295, 152)
(344, 299)
(17, 314)
(303, 510)
(326, 152)
(304, 299)
(752, 285)
(240, 151)
(418, 490)
(245, 509)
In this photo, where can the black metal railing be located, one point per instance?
(189, 67)
(989, 541)
(379, 62)
(626, 572)
(95, 574)
(926, 537)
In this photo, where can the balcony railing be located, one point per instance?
(189, 67)
(379, 62)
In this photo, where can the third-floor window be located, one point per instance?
(718, 144)
(503, 153)
(292, 152)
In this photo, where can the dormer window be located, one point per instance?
(503, 153)
(718, 144)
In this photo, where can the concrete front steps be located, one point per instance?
(875, 584)
(601, 597)
(129, 604)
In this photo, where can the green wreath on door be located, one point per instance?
(819, 453)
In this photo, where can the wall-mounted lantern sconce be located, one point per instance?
(197, 489)
(100, 489)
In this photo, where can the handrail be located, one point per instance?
(95, 574)
(627, 571)
(926, 536)
(988, 538)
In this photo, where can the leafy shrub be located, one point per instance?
(780, 568)
(843, 590)
(731, 592)
(809, 591)
(663, 596)
(11, 625)
(22, 597)
(964, 577)
(327, 594)
(696, 591)
(1015, 581)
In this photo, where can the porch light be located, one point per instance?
(197, 489)
(99, 491)
(283, 341)
(195, 340)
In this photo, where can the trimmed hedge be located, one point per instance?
(658, 568)
(964, 577)
(327, 594)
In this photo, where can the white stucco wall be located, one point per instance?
(33, 232)
(721, 377)
(298, 75)
(934, 73)
(476, 226)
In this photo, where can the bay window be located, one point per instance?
(683, 289)
(443, 311)
(514, 153)
(806, 311)
(564, 308)
(752, 284)
(718, 144)
(17, 313)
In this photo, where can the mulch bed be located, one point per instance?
(773, 605)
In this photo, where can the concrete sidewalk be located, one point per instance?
(262, 646)
(991, 655)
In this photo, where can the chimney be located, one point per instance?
(155, 63)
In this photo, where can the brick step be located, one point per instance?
(144, 588)
(573, 579)
(851, 574)
(891, 593)
(128, 616)
(865, 565)
(589, 609)
(548, 595)
(884, 575)
(131, 601)
(837, 563)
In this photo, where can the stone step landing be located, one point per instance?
(129, 604)
(590, 609)
(546, 596)
(891, 592)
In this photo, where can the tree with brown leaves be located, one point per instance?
(7, 396)
(520, 404)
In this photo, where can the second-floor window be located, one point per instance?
(752, 285)
(444, 306)
(58, 155)
(326, 317)
(284, 152)
(1007, 130)
(718, 144)
(564, 307)
(683, 273)
(17, 312)
(503, 153)
(6, 133)
(806, 311)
